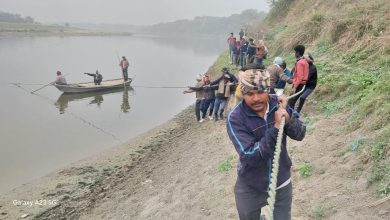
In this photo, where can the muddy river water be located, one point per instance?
(44, 132)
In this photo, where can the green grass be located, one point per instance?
(318, 212)
(309, 122)
(223, 61)
(225, 166)
(323, 46)
(379, 150)
(268, 36)
(305, 169)
(380, 178)
(357, 144)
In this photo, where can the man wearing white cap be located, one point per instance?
(276, 73)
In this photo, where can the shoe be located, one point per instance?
(221, 116)
(201, 120)
(211, 118)
(216, 119)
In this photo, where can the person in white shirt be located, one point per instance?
(60, 79)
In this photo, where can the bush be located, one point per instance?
(305, 169)
(378, 151)
(225, 166)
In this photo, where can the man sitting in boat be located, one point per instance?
(97, 77)
(60, 79)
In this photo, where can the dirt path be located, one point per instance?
(172, 172)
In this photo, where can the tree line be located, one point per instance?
(15, 18)
(208, 24)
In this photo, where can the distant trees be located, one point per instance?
(208, 24)
(15, 18)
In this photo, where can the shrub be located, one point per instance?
(225, 166)
(378, 151)
(305, 169)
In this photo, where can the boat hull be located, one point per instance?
(91, 87)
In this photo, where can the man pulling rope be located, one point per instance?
(253, 127)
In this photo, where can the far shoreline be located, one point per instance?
(45, 30)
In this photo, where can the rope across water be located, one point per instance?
(268, 210)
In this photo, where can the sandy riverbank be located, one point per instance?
(45, 30)
(173, 172)
(167, 169)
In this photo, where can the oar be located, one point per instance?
(47, 85)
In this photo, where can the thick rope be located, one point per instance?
(268, 210)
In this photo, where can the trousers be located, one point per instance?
(249, 202)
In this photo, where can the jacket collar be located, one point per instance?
(272, 106)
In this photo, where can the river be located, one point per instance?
(44, 132)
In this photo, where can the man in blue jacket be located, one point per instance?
(253, 127)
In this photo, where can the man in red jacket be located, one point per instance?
(301, 73)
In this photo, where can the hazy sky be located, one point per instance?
(126, 11)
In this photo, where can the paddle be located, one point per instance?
(47, 85)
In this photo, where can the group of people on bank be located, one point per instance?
(97, 76)
(244, 50)
(212, 96)
(253, 124)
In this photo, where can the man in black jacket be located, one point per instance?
(253, 127)
(225, 86)
(97, 77)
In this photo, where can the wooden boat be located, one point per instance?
(111, 84)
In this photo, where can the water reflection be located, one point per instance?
(95, 98)
(125, 107)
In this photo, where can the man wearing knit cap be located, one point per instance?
(276, 73)
(253, 127)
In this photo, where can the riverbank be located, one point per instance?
(170, 171)
(36, 30)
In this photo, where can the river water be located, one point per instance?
(44, 132)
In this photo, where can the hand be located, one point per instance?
(283, 101)
(278, 116)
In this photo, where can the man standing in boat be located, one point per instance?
(124, 64)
